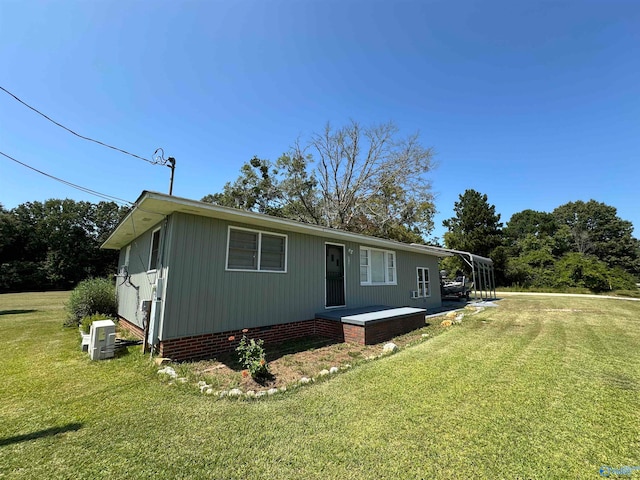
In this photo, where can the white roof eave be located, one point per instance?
(151, 208)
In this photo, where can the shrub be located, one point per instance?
(251, 356)
(579, 270)
(621, 280)
(96, 295)
(86, 322)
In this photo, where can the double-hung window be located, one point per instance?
(377, 267)
(423, 282)
(253, 250)
(154, 255)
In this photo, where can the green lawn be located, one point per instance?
(540, 387)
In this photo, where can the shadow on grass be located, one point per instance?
(15, 312)
(122, 347)
(47, 432)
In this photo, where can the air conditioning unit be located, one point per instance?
(414, 294)
(102, 339)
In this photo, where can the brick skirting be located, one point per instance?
(380, 331)
(130, 327)
(211, 344)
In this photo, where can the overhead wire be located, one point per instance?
(153, 162)
(70, 184)
(92, 192)
(160, 161)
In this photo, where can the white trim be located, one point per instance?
(149, 269)
(259, 251)
(428, 282)
(152, 207)
(386, 253)
(344, 274)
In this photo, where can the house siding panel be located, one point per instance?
(138, 287)
(394, 295)
(202, 297)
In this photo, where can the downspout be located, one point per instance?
(158, 294)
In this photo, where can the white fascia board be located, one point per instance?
(152, 207)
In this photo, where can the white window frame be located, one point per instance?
(387, 255)
(425, 283)
(259, 252)
(155, 267)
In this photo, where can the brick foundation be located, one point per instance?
(380, 331)
(130, 327)
(211, 344)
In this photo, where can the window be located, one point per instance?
(155, 249)
(423, 282)
(377, 267)
(257, 251)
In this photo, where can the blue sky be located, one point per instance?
(535, 103)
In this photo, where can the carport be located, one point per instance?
(484, 282)
(482, 273)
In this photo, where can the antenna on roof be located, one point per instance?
(158, 159)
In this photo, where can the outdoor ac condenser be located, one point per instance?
(102, 339)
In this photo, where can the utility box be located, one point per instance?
(102, 339)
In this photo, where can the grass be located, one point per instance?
(540, 387)
(580, 290)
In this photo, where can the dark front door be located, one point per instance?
(335, 275)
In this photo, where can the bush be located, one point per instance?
(86, 322)
(251, 356)
(579, 270)
(90, 297)
(621, 280)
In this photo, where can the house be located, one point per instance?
(192, 275)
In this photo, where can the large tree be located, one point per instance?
(361, 179)
(530, 222)
(596, 229)
(578, 245)
(476, 226)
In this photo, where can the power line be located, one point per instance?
(73, 185)
(158, 161)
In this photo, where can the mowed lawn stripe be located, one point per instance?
(543, 387)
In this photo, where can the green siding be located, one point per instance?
(129, 298)
(202, 297)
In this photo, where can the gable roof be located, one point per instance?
(152, 207)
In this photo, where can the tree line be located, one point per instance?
(55, 244)
(368, 180)
(373, 181)
(578, 244)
